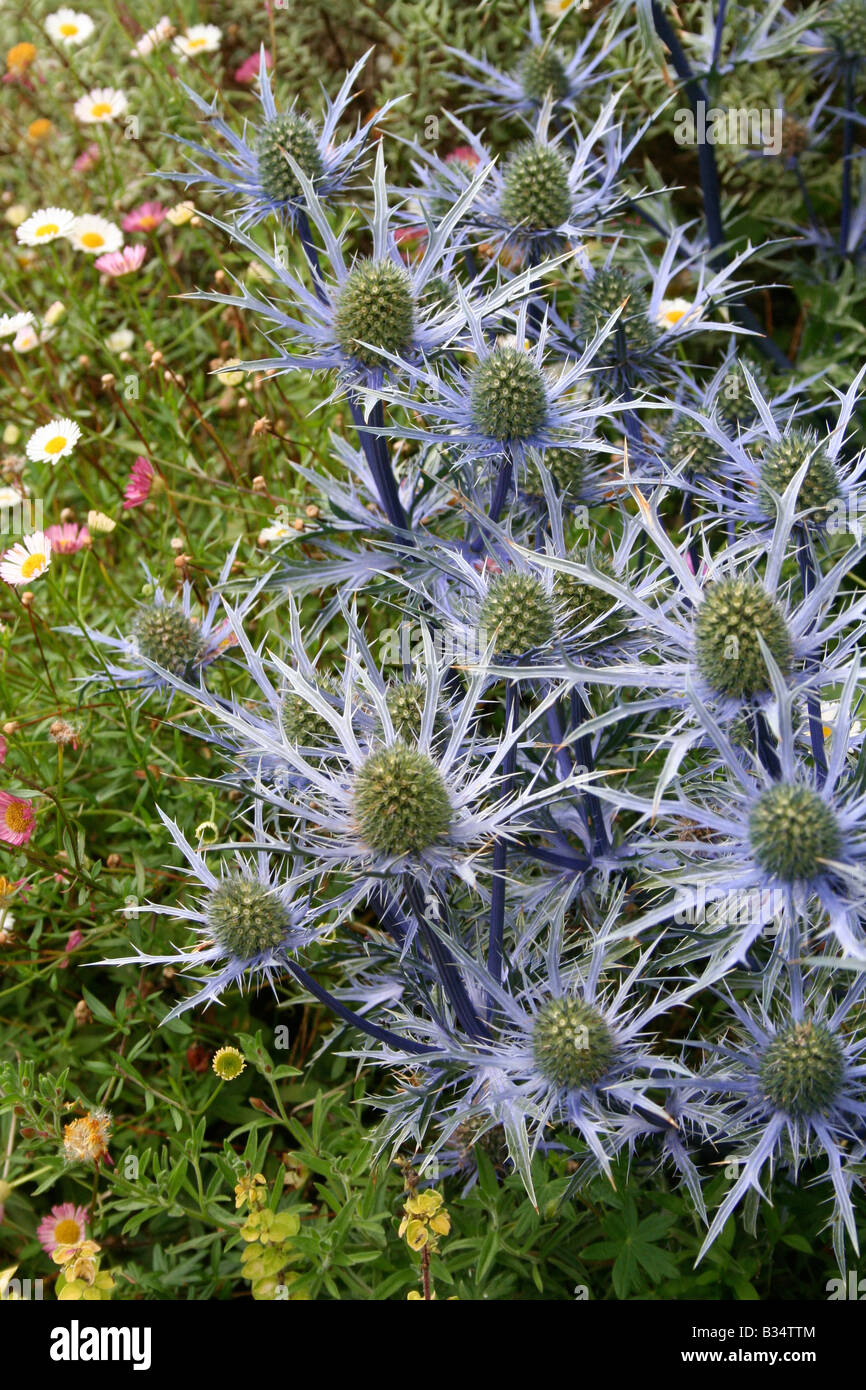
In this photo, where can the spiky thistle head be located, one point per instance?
(572, 1043)
(166, 635)
(375, 305)
(845, 24)
(733, 399)
(290, 134)
(302, 725)
(541, 71)
(803, 1068)
(785, 457)
(729, 657)
(405, 701)
(400, 801)
(246, 917)
(581, 603)
(566, 466)
(536, 194)
(509, 396)
(792, 830)
(603, 294)
(689, 445)
(517, 613)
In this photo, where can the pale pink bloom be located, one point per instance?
(67, 1225)
(16, 819)
(249, 68)
(139, 483)
(464, 154)
(87, 160)
(145, 218)
(67, 538)
(73, 941)
(121, 262)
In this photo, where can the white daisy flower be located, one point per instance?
(10, 324)
(152, 38)
(120, 340)
(45, 225)
(68, 27)
(26, 339)
(95, 235)
(101, 105)
(27, 559)
(201, 38)
(673, 311)
(53, 441)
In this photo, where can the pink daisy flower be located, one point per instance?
(145, 218)
(87, 160)
(16, 819)
(139, 483)
(249, 68)
(66, 1225)
(464, 154)
(68, 538)
(121, 262)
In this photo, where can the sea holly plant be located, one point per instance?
(531, 738)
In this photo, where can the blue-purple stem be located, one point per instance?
(500, 849)
(808, 577)
(446, 967)
(376, 454)
(373, 1030)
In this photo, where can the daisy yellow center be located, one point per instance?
(147, 221)
(68, 1232)
(101, 108)
(197, 43)
(32, 565)
(92, 239)
(55, 445)
(17, 817)
(674, 315)
(47, 229)
(68, 30)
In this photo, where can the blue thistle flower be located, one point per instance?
(794, 1085)
(256, 172)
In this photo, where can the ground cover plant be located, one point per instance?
(433, 798)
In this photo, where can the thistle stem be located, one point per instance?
(500, 849)
(808, 577)
(356, 1020)
(446, 967)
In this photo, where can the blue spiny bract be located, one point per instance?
(401, 803)
(509, 398)
(375, 306)
(803, 1068)
(729, 657)
(792, 830)
(572, 1044)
